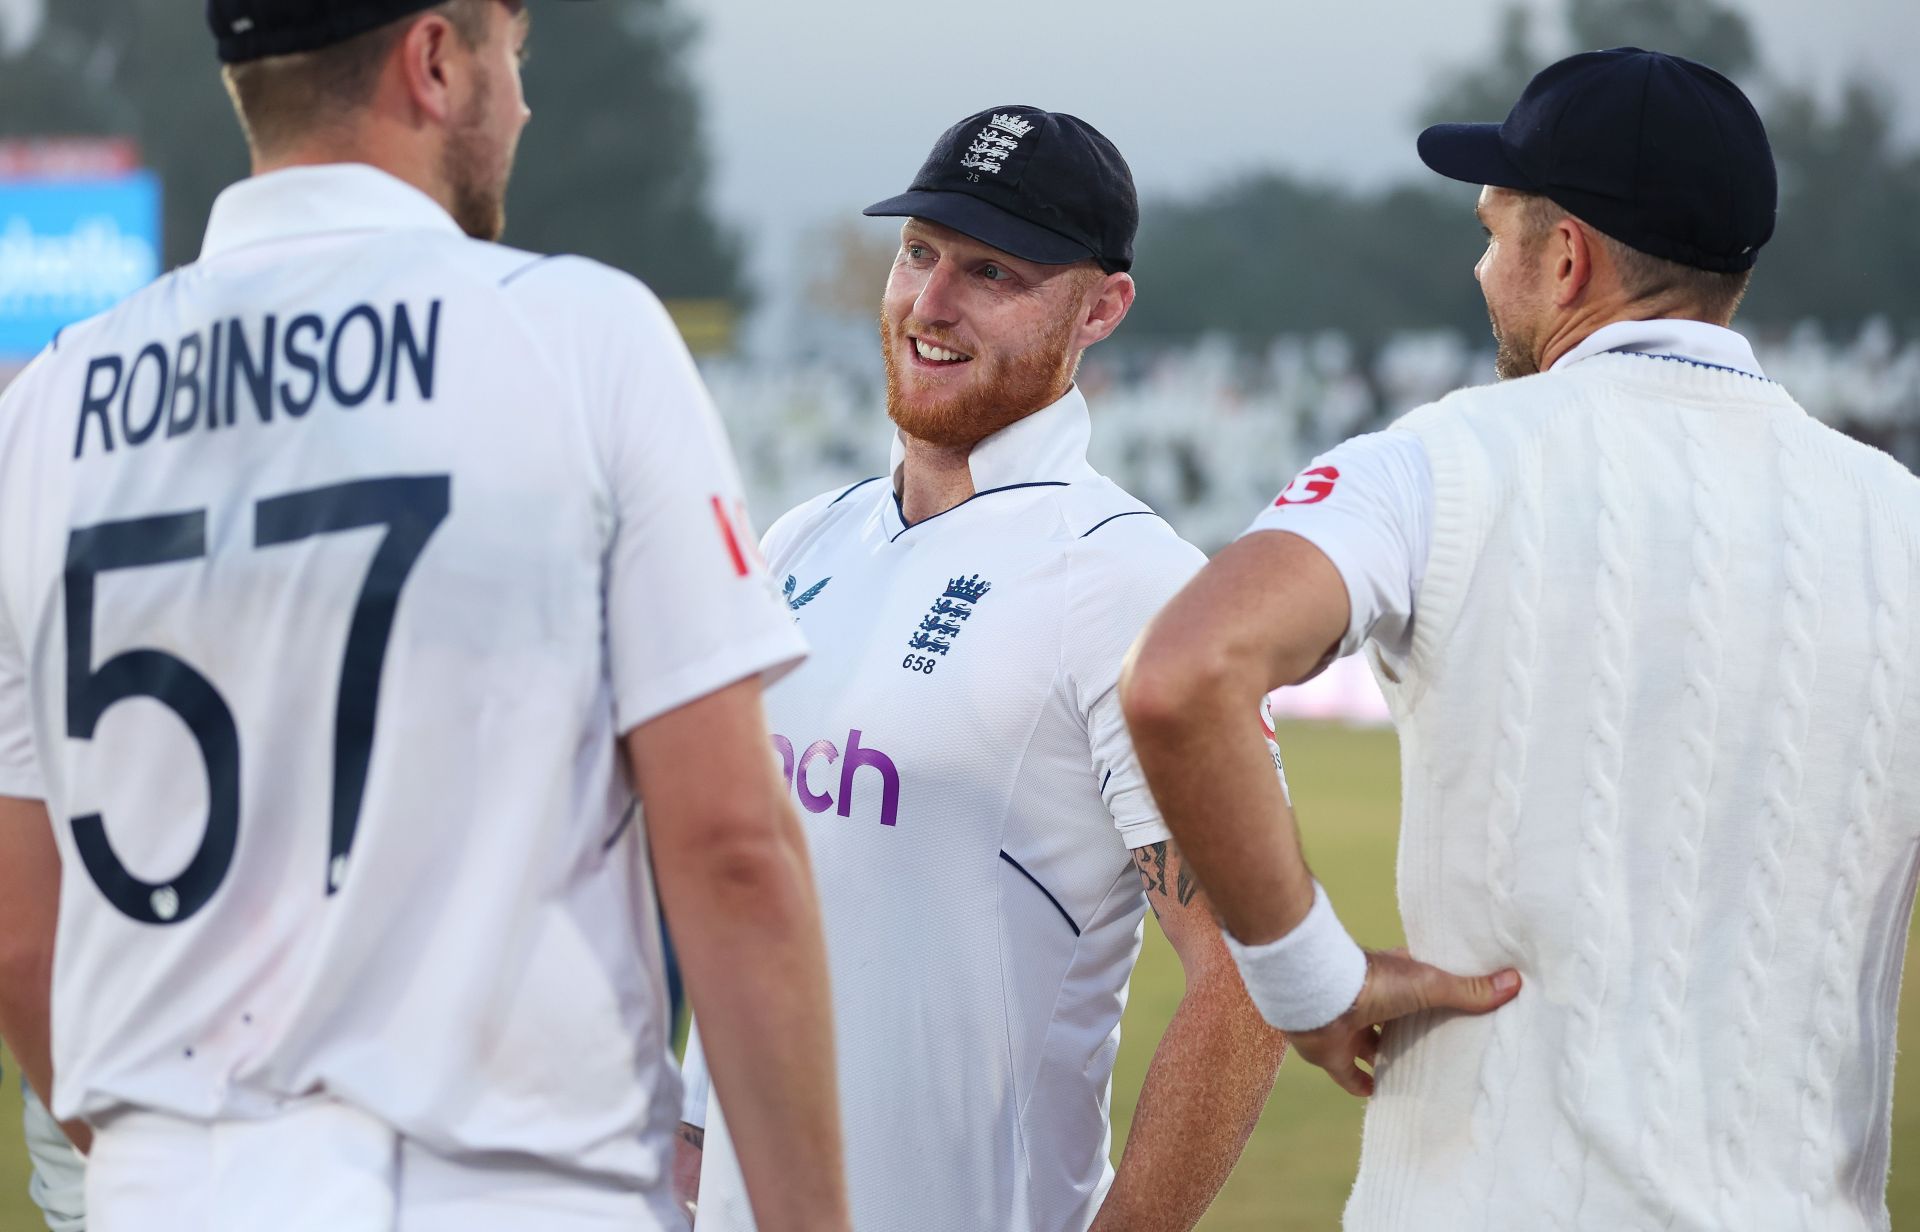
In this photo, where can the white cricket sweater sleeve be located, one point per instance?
(688, 606)
(1368, 504)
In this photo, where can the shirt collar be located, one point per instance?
(1696, 341)
(1048, 446)
(302, 201)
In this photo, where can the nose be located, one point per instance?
(1480, 269)
(936, 303)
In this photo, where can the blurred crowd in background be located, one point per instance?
(1208, 433)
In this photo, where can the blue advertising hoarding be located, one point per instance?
(69, 249)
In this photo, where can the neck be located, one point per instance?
(322, 153)
(933, 479)
(1583, 322)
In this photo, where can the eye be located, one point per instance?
(993, 273)
(915, 252)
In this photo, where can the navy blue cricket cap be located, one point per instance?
(252, 29)
(1041, 185)
(1663, 154)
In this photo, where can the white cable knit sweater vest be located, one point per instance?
(1660, 734)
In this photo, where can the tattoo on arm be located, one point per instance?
(1153, 861)
(694, 1136)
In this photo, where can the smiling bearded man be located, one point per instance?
(983, 841)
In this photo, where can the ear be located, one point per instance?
(427, 67)
(1570, 250)
(1107, 306)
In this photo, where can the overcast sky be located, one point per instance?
(817, 109)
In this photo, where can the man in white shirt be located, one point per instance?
(353, 580)
(1648, 632)
(980, 831)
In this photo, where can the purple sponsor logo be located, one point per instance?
(801, 775)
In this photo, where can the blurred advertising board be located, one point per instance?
(79, 232)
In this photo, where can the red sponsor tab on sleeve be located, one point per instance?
(732, 540)
(1310, 487)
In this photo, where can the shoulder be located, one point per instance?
(572, 288)
(1879, 475)
(809, 517)
(1119, 547)
(1492, 403)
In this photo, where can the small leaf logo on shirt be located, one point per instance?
(947, 617)
(806, 596)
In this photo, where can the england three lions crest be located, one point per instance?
(991, 145)
(943, 623)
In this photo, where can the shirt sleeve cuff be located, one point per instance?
(22, 784)
(769, 657)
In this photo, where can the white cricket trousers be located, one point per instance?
(324, 1167)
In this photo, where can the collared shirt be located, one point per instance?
(389, 533)
(956, 752)
(1368, 502)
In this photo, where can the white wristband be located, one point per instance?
(1308, 978)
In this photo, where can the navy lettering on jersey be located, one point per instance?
(252, 364)
(96, 403)
(364, 353)
(304, 361)
(348, 395)
(138, 432)
(186, 382)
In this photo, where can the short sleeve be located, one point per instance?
(1368, 504)
(1115, 589)
(689, 609)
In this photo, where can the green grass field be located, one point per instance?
(1296, 1171)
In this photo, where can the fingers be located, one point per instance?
(1352, 1079)
(1470, 994)
(1368, 1049)
(1398, 985)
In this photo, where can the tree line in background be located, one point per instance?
(616, 168)
(1273, 254)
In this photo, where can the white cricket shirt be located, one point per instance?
(331, 567)
(957, 755)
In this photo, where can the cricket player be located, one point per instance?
(985, 846)
(1649, 635)
(353, 579)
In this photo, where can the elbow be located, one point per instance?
(26, 963)
(1165, 687)
(750, 867)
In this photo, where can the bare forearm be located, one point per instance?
(24, 986)
(1264, 613)
(29, 915)
(1215, 784)
(1206, 1086)
(750, 944)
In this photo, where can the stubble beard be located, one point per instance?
(476, 177)
(1511, 358)
(1020, 385)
